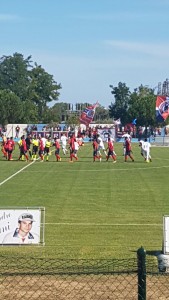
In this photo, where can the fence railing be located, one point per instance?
(55, 279)
(160, 140)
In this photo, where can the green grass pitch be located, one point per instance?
(93, 210)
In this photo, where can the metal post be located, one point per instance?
(141, 258)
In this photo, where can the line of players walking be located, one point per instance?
(34, 148)
(40, 148)
(98, 145)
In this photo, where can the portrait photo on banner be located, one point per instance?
(20, 226)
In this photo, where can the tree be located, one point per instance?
(31, 83)
(142, 106)
(30, 112)
(43, 89)
(14, 74)
(73, 120)
(11, 108)
(56, 113)
(119, 108)
(101, 114)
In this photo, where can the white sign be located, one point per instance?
(106, 133)
(20, 226)
(166, 234)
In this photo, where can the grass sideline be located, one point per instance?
(93, 210)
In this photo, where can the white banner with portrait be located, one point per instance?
(21, 226)
(166, 234)
(107, 133)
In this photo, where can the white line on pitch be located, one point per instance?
(102, 170)
(2, 182)
(98, 224)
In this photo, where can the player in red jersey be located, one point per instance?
(95, 150)
(128, 151)
(41, 149)
(5, 146)
(72, 148)
(57, 146)
(4, 139)
(23, 149)
(11, 147)
(111, 153)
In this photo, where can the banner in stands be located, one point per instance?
(21, 226)
(46, 134)
(106, 133)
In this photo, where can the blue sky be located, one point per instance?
(88, 45)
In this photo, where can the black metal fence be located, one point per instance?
(36, 278)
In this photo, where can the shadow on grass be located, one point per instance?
(150, 252)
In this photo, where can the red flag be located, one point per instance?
(88, 114)
(162, 108)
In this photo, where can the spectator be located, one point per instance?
(17, 130)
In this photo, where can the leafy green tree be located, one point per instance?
(31, 83)
(142, 106)
(101, 114)
(30, 112)
(43, 89)
(11, 108)
(14, 74)
(57, 113)
(119, 108)
(73, 120)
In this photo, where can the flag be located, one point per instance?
(88, 114)
(117, 122)
(134, 122)
(162, 108)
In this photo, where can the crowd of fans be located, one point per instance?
(89, 132)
